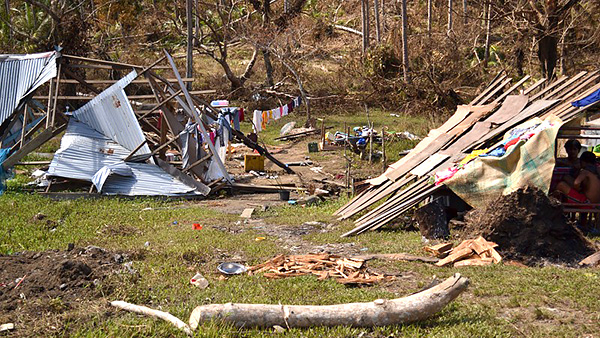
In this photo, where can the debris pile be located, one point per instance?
(528, 226)
(475, 252)
(345, 270)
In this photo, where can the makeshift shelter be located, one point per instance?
(478, 125)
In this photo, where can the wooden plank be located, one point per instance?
(30, 146)
(187, 180)
(474, 262)
(592, 260)
(111, 82)
(130, 97)
(455, 255)
(511, 89)
(510, 107)
(495, 91)
(534, 86)
(264, 188)
(247, 213)
(438, 249)
(398, 257)
(566, 84)
(548, 88)
(488, 89)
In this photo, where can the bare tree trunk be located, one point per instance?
(466, 12)
(8, 18)
(268, 67)
(365, 25)
(383, 28)
(189, 72)
(429, 14)
(301, 88)
(405, 64)
(286, 6)
(450, 15)
(486, 56)
(377, 24)
(380, 312)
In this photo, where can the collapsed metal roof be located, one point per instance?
(111, 114)
(20, 75)
(84, 152)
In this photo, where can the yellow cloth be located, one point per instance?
(473, 155)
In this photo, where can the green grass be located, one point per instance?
(501, 300)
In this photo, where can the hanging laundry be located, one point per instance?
(257, 121)
(241, 114)
(277, 113)
(284, 110)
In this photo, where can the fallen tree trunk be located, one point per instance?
(153, 313)
(380, 312)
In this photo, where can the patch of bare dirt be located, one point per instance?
(53, 280)
(528, 226)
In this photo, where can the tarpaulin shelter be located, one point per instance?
(478, 125)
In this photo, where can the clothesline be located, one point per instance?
(260, 119)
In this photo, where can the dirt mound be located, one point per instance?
(528, 226)
(66, 275)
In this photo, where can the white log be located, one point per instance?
(153, 313)
(380, 312)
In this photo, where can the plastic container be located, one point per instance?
(284, 195)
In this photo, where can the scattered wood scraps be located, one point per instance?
(471, 252)
(344, 270)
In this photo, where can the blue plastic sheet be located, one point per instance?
(586, 101)
(3, 155)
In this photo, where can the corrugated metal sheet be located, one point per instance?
(147, 180)
(110, 113)
(20, 75)
(84, 151)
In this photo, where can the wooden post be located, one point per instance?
(449, 16)
(56, 95)
(190, 42)
(384, 160)
(365, 26)
(405, 63)
(377, 23)
(486, 57)
(24, 124)
(429, 14)
(371, 142)
(163, 136)
(48, 108)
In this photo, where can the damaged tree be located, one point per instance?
(219, 20)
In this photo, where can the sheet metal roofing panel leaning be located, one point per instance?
(111, 114)
(20, 75)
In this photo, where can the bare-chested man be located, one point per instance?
(586, 187)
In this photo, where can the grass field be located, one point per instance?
(501, 300)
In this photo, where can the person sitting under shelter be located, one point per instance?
(586, 185)
(572, 147)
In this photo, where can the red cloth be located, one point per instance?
(511, 142)
(241, 114)
(577, 196)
